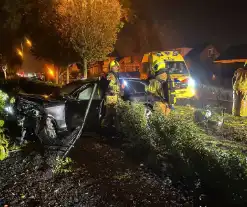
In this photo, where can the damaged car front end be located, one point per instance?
(41, 117)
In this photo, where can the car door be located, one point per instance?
(79, 104)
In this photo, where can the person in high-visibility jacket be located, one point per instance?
(160, 83)
(112, 94)
(239, 107)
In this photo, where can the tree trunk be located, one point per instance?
(85, 67)
(57, 74)
(67, 72)
(4, 68)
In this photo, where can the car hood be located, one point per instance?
(41, 99)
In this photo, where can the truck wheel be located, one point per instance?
(47, 133)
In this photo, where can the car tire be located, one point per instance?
(48, 133)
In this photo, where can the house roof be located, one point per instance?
(236, 53)
(196, 51)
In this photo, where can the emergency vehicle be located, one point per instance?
(176, 66)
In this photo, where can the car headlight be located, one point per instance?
(9, 109)
(192, 82)
(125, 83)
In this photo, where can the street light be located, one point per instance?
(51, 72)
(28, 42)
(19, 52)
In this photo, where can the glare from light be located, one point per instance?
(125, 83)
(51, 72)
(208, 114)
(192, 82)
(19, 52)
(28, 42)
(193, 91)
(9, 109)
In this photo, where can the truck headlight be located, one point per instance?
(192, 82)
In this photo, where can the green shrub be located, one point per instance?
(188, 150)
(62, 165)
(4, 144)
(218, 169)
(138, 136)
(235, 128)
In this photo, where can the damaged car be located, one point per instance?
(51, 117)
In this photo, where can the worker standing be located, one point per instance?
(239, 107)
(112, 95)
(161, 84)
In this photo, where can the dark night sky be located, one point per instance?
(187, 23)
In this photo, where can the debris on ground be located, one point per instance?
(101, 176)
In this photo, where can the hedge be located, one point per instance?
(185, 149)
(233, 129)
(4, 144)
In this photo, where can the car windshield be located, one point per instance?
(177, 67)
(133, 87)
(69, 88)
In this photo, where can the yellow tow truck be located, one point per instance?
(179, 73)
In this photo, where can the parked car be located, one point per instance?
(50, 117)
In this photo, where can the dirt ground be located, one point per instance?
(101, 176)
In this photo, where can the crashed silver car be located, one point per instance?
(50, 117)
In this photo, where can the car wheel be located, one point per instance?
(47, 133)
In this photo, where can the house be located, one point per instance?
(233, 54)
(231, 59)
(200, 61)
(127, 64)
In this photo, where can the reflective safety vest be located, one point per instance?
(163, 89)
(240, 83)
(155, 87)
(113, 90)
